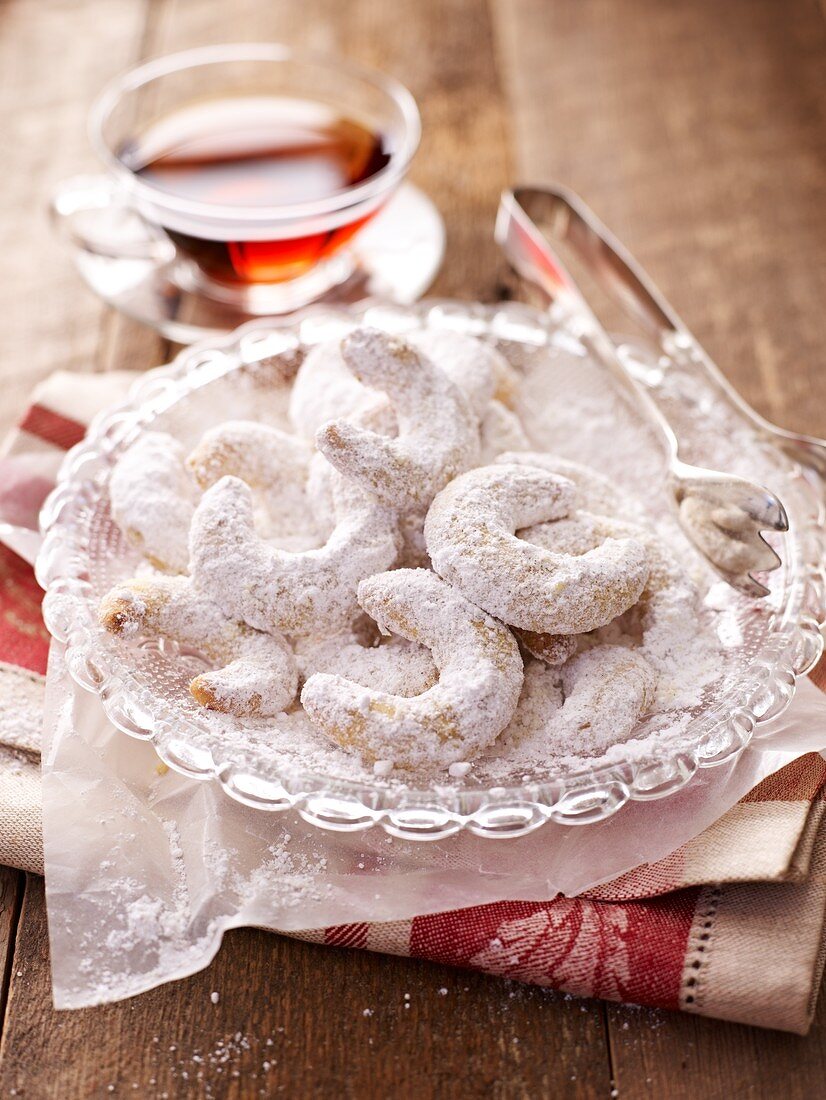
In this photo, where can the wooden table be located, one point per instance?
(697, 130)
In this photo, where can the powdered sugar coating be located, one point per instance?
(263, 456)
(394, 665)
(274, 589)
(320, 481)
(607, 690)
(412, 552)
(274, 464)
(473, 366)
(593, 491)
(480, 676)
(666, 613)
(324, 389)
(476, 368)
(438, 430)
(470, 536)
(324, 482)
(592, 702)
(153, 499)
(667, 620)
(258, 677)
(675, 646)
(669, 626)
(669, 603)
(501, 431)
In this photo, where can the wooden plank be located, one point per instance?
(11, 896)
(696, 131)
(481, 1037)
(54, 57)
(300, 1020)
(684, 1057)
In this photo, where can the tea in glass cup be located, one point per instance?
(259, 165)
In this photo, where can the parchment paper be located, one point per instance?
(145, 871)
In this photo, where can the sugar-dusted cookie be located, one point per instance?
(480, 677)
(257, 673)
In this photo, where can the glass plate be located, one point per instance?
(143, 685)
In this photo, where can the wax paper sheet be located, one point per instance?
(146, 869)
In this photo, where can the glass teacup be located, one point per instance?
(250, 166)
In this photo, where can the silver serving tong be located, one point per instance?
(722, 514)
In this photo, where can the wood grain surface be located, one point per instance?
(696, 130)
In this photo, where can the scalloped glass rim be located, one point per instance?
(719, 734)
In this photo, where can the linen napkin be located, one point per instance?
(731, 924)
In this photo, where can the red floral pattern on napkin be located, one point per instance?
(632, 952)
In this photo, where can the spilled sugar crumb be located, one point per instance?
(255, 1058)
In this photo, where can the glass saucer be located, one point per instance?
(143, 684)
(395, 258)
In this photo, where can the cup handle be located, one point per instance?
(97, 215)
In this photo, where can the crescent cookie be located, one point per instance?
(274, 589)
(572, 535)
(593, 702)
(276, 467)
(473, 366)
(607, 690)
(265, 457)
(501, 431)
(153, 499)
(325, 388)
(257, 674)
(394, 665)
(668, 596)
(438, 430)
(322, 476)
(470, 533)
(411, 523)
(480, 677)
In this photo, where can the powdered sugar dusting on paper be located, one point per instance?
(150, 936)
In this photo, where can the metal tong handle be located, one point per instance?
(562, 216)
